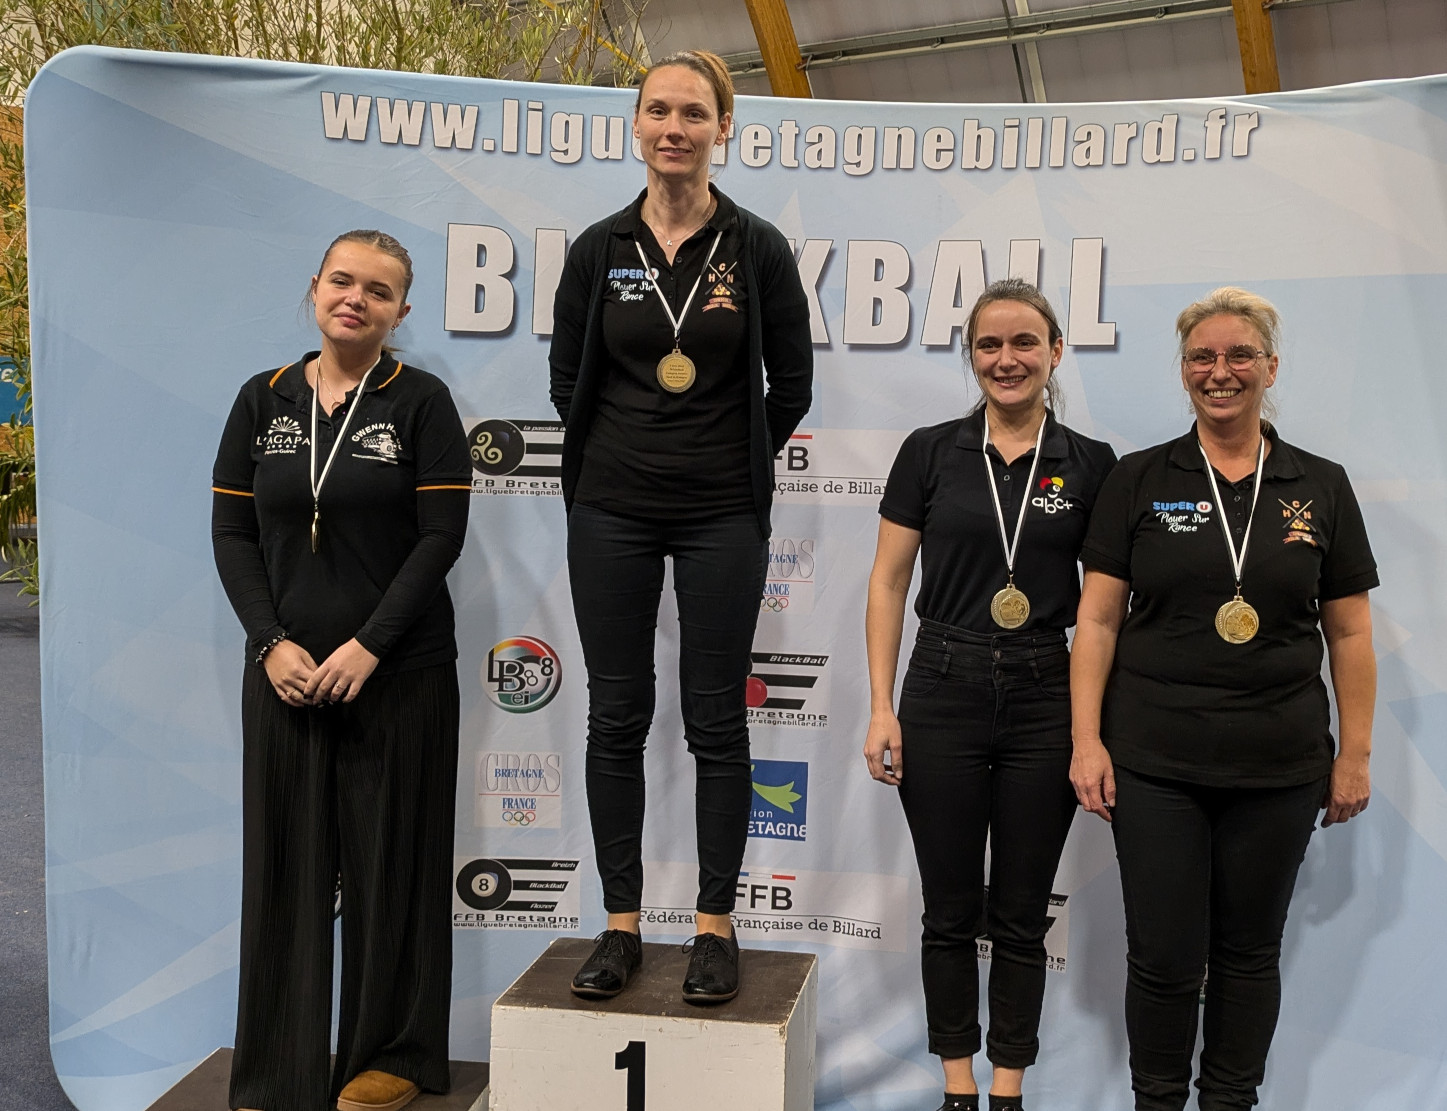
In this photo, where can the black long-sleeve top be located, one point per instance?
(393, 516)
(779, 355)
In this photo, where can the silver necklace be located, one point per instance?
(707, 216)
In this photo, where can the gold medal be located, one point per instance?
(1010, 608)
(1237, 621)
(676, 372)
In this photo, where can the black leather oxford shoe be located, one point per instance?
(615, 958)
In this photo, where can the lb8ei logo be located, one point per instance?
(522, 674)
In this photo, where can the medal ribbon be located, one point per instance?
(676, 321)
(317, 481)
(1005, 542)
(1237, 561)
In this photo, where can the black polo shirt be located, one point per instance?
(393, 515)
(1182, 703)
(655, 454)
(937, 486)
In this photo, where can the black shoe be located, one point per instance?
(615, 958)
(713, 969)
(960, 1103)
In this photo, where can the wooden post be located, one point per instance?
(1258, 46)
(775, 32)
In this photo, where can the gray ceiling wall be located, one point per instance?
(1320, 44)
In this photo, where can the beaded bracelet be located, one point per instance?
(261, 656)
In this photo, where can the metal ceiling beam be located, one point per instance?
(779, 48)
(1032, 60)
(1081, 19)
(1258, 47)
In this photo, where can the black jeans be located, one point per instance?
(615, 566)
(1207, 873)
(985, 722)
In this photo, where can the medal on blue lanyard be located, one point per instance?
(317, 480)
(1009, 607)
(676, 372)
(1236, 620)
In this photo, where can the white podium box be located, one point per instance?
(648, 1050)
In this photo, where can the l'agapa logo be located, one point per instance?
(780, 807)
(283, 437)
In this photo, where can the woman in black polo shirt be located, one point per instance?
(340, 501)
(995, 504)
(1201, 723)
(681, 362)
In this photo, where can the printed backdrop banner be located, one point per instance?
(178, 206)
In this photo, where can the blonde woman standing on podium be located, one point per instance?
(681, 362)
(995, 506)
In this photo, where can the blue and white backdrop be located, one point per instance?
(178, 206)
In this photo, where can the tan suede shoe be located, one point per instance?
(373, 1090)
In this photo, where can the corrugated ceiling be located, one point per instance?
(1316, 43)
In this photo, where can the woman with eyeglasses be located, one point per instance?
(1215, 565)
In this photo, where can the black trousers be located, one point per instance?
(1207, 874)
(615, 565)
(365, 790)
(985, 723)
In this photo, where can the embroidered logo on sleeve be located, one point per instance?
(1296, 520)
(378, 442)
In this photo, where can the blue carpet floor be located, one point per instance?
(27, 1080)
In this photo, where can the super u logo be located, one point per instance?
(522, 674)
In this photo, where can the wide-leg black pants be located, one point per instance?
(366, 790)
